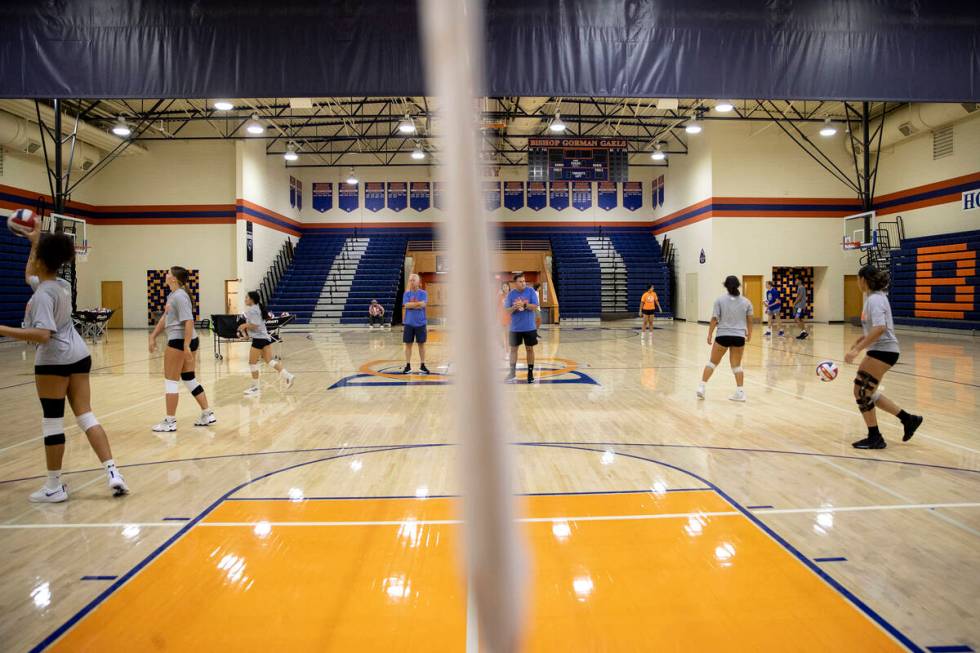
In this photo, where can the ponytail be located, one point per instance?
(875, 278)
(731, 284)
(257, 300)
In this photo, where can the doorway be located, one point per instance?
(231, 297)
(112, 297)
(691, 297)
(752, 289)
(853, 299)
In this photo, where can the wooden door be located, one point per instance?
(752, 289)
(231, 297)
(853, 298)
(112, 297)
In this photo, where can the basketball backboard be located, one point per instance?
(860, 231)
(71, 226)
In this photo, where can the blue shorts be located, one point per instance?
(799, 311)
(417, 334)
(775, 310)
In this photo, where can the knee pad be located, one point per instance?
(53, 422)
(52, 408)
(86, 421)
(187, 376)
(867, 391)
(254, 368)
(54, 440)
(710, 365)
(171, 387)
(737, 370)
(193, 386)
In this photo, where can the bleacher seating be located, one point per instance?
(378, 276)
(934, 281)
(299, 290)
(644, 265)
(576, 273)
(14, 293)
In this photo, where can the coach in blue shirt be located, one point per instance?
(522, 304)
(414, 301)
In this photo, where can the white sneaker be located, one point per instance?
(44, 495)
(700, 391)
(116, 483)
(738, 396)
(207, 418)
(166, 426)
(288, 379)
(254, 391)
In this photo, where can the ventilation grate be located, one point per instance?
(1, 161)
(942, 143)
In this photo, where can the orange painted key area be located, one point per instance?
(670, 571)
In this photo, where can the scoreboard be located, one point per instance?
(577, 159)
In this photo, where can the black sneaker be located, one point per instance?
(510, 376)
(802, 336)
(407, 370)
(530, 378)
(424, 369)
(911, 424)
(870, 443)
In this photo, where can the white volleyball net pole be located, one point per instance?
(453, 47)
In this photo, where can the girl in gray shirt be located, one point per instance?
(878, 338)
(178, 358)
(61, 364)
(255, 315)
(732, 317)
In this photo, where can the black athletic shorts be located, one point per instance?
(258, 343)
(83, 366)
(417, 334)
(178, 344)
(648, 311)
(526, 338)
(730, 341)
(886, 357)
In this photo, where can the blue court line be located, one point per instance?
(955, 648)
(831, 559)
(99, 577)
(176, 519)
(352, 381)
(756, 507)
(456, 496)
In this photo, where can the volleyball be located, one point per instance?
(827, 371)
(21, 222)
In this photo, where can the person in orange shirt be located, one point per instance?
(648, 304)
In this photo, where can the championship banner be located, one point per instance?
(374, 195)
(397, 195)
(654, 194)
(537, 195)
(514, 195)
(661, 191)
(347, 197)
(419, 195)
(606, 192)
(322, 196)
(249, 243)
(558, 195)
(292, 191)
(582, 195)
(437, 196)
(491, 195)
(299, 195)
(632, 195)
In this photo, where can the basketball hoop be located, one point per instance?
(81, 253)
(849, 245)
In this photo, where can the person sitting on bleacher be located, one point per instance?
(376, 314)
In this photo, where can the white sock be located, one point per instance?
(255, 384)
(109, 465)
(54, 480)
(171, 418)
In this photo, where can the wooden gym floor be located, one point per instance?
(324, 517)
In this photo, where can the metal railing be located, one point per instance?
(500, 246)
(276, 272)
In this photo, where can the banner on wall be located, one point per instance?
(558, 195)
(514, 195)
(582, 195)
(655, 194)
(322, 196)
(299, 195)
(419, 195)
(347, 197)
(632, 195)
(491, 195)
(660, 191)
(537, 195)
(292, 191)
(397, 195)
(606, 192)
(249, 251)
(374, 195)
(437, 195)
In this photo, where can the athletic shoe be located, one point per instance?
(207, 418)
(767, 333)
(781, 334)
(510, 376)
(738, 396)
(116, 483)
(700, 391)
(166, 426)
(530, 379)
(802, 336)
(288, 379)
(45, 495)
(870, 443)
(407, 370)
(424, 369)
(254, 391)
(911, 424)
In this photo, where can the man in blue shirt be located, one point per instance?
(522, 304)
(414, 301)
(774, 306)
